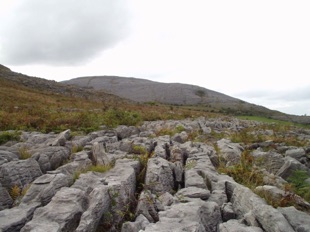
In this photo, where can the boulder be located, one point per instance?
(299, 220)
(290, 166)
(5, 199)
(193, 192)
(198, 216)
(139, 224)
(45, 187)
(7, 156)
(147, 207)
(98, 155)
(159, 176)
(271, 161)
(296, 153)
(61, 139)
(14, 219)
(63, 213)
(50, 158)
(235, 226)
(245, 201)
(19, 173)
(230, 152)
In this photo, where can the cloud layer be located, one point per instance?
(63, 32)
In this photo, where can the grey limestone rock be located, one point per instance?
(14, 219)
(159, 176)
(62, 138)
(245, 201)
(296, 153)
(299, 220)
(45, 187)
(235, 226)
(19, 173)
(271, 161)
(126, 131)
(7, 156)
(80, 161)
(63, 213)
(50, 158)
(198, 216)
(147, 207)
(5, 198)
(139, 224)
(230, 152)
(98, 155)
(193, 192)
(290, 166)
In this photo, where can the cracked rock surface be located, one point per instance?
(154, 182)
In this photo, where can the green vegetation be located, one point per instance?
(6, 136)
(300, 186)
(244, 172)
(92, 168)
(56, 112)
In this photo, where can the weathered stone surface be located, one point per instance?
(235, 226)
(80, 162)
(300, 221)
(126, 131)
(139, 224)
(228, 212)
(5, 198)
(99, 203)
(180, 137)
(45, 187)
(296, 153)
(166, 199)
(146, 206)
(50, 158)
(14, 219)
(7, 156)
(271, 161)
(193, 192)
(99, 156)
(196, 215)
(230, 152)
(19, 173)
(63, 213)
(193, 179)
(290, 166)
(159, 176)
(245, 201)
(62, 138)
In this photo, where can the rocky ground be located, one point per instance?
(151, 181)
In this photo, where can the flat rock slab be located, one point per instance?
(63, 213)
(198, 216)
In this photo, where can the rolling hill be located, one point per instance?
(142, 90)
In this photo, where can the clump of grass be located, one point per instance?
(24, 153)
(244, 172)
(15, 192)
(92, 168)
(76, 149)
(6, 136)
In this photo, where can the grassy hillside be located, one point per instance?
(31, 103)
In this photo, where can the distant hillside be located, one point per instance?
(142, 90)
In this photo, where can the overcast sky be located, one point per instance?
(258, 51)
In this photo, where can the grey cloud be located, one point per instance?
(62, 32)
